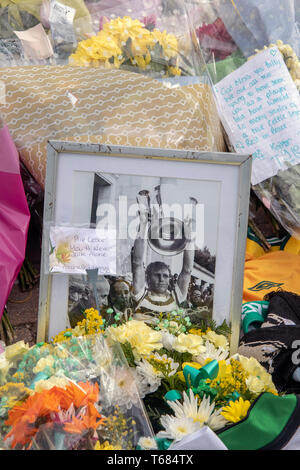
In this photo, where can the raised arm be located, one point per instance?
(138, 268)
(188, 260)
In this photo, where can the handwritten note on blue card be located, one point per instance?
(259, 106)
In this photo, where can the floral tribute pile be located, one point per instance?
(128, 42)
(184, 372)
(69, 396)
(84, 389)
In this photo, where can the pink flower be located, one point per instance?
(216, 38)
(149, 22)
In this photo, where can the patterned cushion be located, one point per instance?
(109, 106)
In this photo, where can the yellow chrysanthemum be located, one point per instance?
(106, 446)
(174, 71)
(167, 41)
(236, 410)
(123, 40)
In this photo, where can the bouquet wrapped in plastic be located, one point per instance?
(137, 81)
(259, 40)
(75, 395)
(183, 371)
(41, 31)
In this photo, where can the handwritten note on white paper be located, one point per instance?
(73, 250)
(61, 22)
(259, 106)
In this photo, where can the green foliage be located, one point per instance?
(127, 350)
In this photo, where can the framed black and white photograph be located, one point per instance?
(147, 232)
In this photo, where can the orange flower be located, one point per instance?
(80, 394)
(79, 425)
(39, 408)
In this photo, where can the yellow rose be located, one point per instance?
(189, 343)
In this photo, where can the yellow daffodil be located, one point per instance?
(236, 410)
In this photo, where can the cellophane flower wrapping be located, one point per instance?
(183, 370)
(74, 395)
(229, 34)
(136, 79)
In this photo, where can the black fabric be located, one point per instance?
(273, 344)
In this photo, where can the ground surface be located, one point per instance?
(23, 313)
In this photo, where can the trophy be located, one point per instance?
(165, 233)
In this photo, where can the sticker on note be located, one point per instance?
(259, 106)
(73, 250)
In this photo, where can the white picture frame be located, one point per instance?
(70, 176)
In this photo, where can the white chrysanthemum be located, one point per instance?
(211, 353)
(125, 392)
(168, 340)
(147, 443)
(203, 414)
(148, 378)
(217, 421)
(166, 364)
(177, 427)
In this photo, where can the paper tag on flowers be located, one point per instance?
(259, 105)
(61, 22)
(73, 250)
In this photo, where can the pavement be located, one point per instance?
(23, 313)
